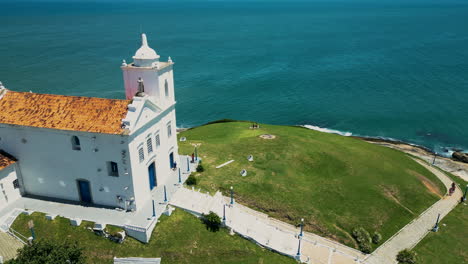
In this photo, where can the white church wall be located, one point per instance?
(166, 75)
(159, 155)
(8, 192)
(50, 167)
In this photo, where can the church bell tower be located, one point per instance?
(146, 75)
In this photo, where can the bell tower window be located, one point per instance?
(166, 88)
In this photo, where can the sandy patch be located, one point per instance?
(267, 136)
(431, 187)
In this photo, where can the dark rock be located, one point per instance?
(460, 156)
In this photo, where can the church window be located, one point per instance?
(158, 141)
(76, 143)
(112, 169)
(169, 130)
(149, 143)
(166, 88)
(15, 184)
(141, 154)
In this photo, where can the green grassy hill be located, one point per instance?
(335, 183)
(180, 238)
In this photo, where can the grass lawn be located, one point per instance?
(180, 238)
(335, 183)
(449, 244)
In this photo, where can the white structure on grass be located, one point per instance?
(93, 151)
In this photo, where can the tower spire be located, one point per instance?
(144, 41)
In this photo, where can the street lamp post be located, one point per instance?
(302, 228)
(464, 195)
(436, 227)
(188, 164)
(165, 194)
(232, 195)
(298, 255)
(154, 210)
(433, 161)
(180, 179)
(196, 154)
(224, 213)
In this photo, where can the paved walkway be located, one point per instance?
(410, 235)
(266, 231)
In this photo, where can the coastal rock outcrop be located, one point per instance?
(460, 156)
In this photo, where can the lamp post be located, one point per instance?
(298, 255)
(433, 161)
(188, 164)
(302, 228)
(436, 227)
(232, 195)
(196, 154)
(165, 194)
(464, 195)
(224, 213)
(180, 179)
(154, 210)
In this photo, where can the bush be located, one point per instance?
(212, 221)
(365, 247)
(200, 168)
(363, 239)
(406, 257)
(376, 238)
(46, 251)
(191, 180)
(361, 235)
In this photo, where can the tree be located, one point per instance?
(406, 257)
(45, 252)
(212, 221)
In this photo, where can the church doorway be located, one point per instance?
(152, 176)
(84, 189)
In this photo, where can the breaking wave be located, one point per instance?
(327, 130)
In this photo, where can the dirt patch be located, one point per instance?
(431, 186)
(267, 136)
(391, 192)
(350, 239)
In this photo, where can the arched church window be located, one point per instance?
(76, 143)
(166, 88)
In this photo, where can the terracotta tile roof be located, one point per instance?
(62, 112)
(5, 160)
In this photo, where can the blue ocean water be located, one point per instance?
(394, 69)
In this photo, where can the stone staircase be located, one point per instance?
(8, 246)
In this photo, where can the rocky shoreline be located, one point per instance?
(457, 168)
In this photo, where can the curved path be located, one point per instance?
(410, 235)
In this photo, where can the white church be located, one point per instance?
(92, 151)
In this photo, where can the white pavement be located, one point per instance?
(410, 235)
(266, 231)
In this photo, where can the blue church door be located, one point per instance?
(152, 176)
(85, 191)
(171, 160)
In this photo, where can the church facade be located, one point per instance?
(92, 151)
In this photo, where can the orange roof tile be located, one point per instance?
(5, 160)
(62, 112)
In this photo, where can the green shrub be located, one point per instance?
(46, 251)
(212, 221)
(376, 238)
(200, 168)
(365, 247)
(406, 257)
(361, 235)
(191, 180)
(363, 239)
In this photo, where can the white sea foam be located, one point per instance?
(327, 130)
